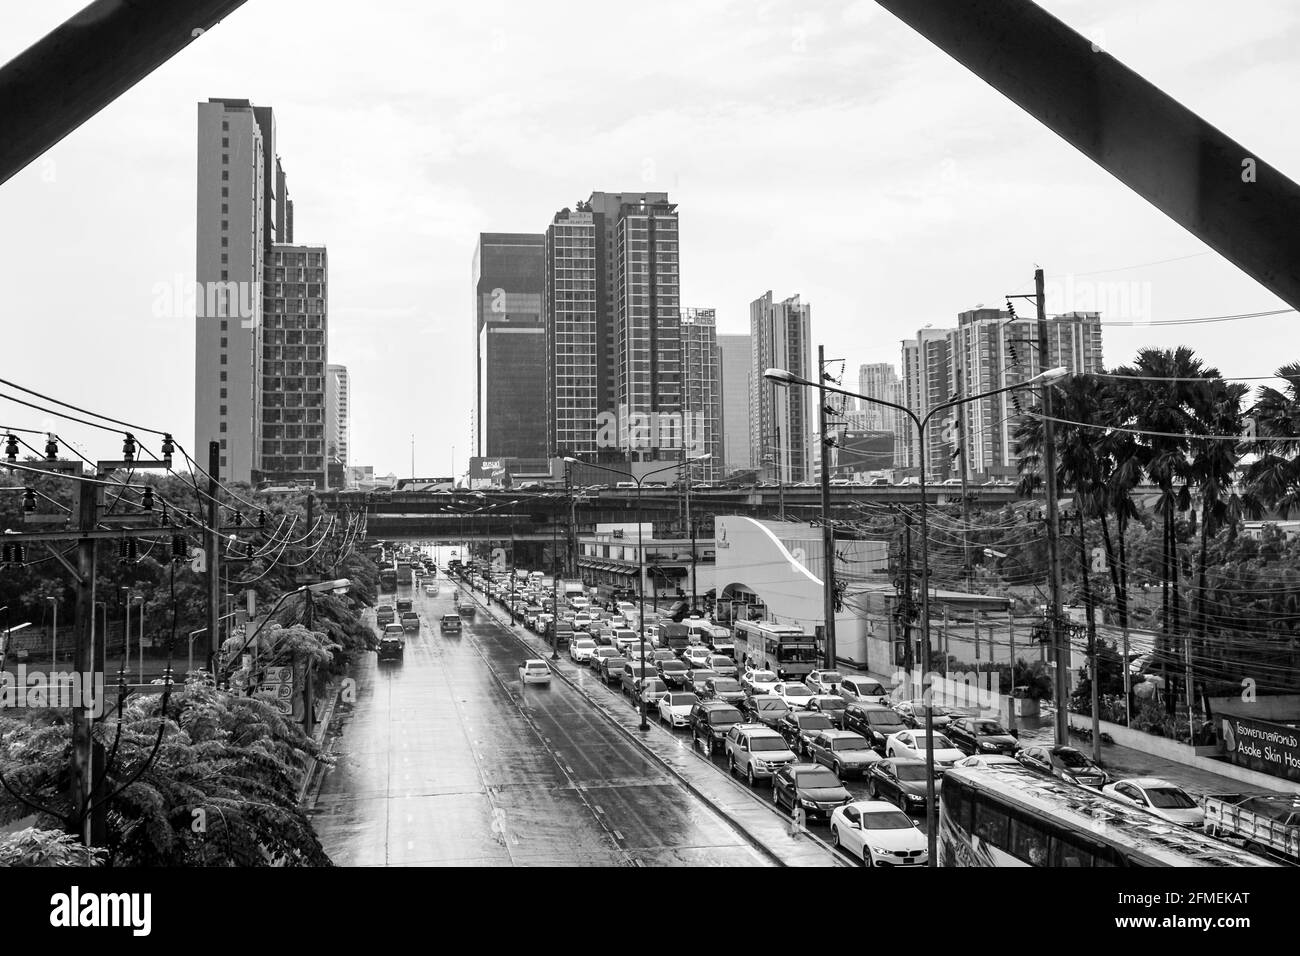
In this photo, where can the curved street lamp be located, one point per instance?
(784, 377)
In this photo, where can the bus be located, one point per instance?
(1007, 815)
(781, 648)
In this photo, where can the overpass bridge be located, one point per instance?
(540, 516)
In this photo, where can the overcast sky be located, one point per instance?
(829, 152)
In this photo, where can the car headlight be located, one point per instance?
(883, 851)
(810, 804)
(986, 745)
(916, 798)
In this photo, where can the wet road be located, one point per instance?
(445, 758)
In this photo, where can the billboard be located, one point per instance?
(1263, 746)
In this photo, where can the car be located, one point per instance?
(649, 689)
(811, 788)
(675, 708)
(824, 682)
(404, 605)
(449, 624)
(900, 781)
(697, 656)
(727, 689)
(535, 671)
(832, 705)
(878, 834)
(710, 721)
(987, 760)
(633, 673)
(755, 751)
(1064, 763)
(794, 693)
(798, 727)
(610, 668)
(764, 709)
(663, 654)
(1166, 800)
(981, 735)
(862, 690)
(723, 664)
(847, 753)
(697, 678)
(582, 650)
(431, 590)
(600, 653)
(411, 622)
(673, 673)
(913, 714)
(384, 615)
(624, 638)
(392, 643)
(756, 681)
(912, 744)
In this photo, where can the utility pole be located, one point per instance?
(909, 657)
(1055, 632)
(213, 548)
(308, 688)
(965, 494)
(828, 530)
(1092, 642)
(83, 663)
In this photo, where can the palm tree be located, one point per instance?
(1154, 396)
(1213, 465)
(1273, 479)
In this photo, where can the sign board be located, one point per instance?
(1261, 745)
(277, 675)
(284, 705)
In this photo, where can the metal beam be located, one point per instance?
(1147, 140)
(94, 57)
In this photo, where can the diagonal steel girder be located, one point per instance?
(88, 61)
(1145, 138)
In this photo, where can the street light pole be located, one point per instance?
(828, 530)
(1047, 377)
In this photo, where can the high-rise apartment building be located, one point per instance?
(781, 425)
(880, 380)
(989, 349)
(736, 370)
(702, 391)
(338, 416)
(574, 352)
(294, 361)
(511, 356)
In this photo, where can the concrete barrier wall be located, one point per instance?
(1190, 756)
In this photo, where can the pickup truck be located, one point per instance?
(1268, 822)
(410, 622)
(384, 614)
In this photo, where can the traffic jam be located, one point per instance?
(834, 751)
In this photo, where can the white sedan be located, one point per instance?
(759, 682)
(878, 834)
(795, 694)
(534, 671)
(914, 744)
(697, 656)
(582, 650)
(675, 709)
(431, 590)
(1166, 800)
(987, 760)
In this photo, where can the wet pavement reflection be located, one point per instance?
(445, 758)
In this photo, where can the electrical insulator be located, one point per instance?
(146, 501)
(189, 517)
(121, 549)
(238, 519)
(51, 449)
(11, 447)
(1011, 308)
(180, 547)
(261, 519)
(6, 553)
(29, 499)
(132, 549)
(168, 446)
(128, 447)
(250, 551)
(20, 553)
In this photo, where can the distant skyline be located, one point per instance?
(831, 153)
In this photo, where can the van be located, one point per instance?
(714, 636)
(863, 690)
(673, 636)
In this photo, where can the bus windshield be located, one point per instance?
(796, 654)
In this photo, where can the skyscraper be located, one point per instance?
(880, 380)
(781, 426)
(736, 372)
(702, 391)
(295, 355)
(338, 416)
(510, 345)
(573, 345)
